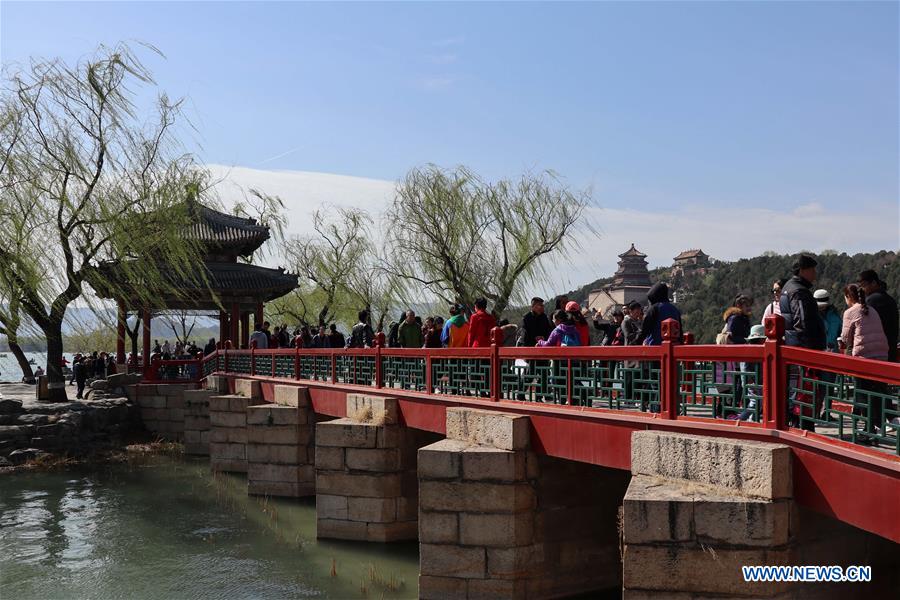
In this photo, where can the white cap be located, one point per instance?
(821, 297)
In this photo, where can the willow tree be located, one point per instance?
(327, 261)
(460, 237)
(88, 180)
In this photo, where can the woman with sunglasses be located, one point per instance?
(774, 307)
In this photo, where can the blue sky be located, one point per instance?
(658, 106)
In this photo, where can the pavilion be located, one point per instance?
(232, 288)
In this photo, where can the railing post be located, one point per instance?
(774, 408)
(296, 359)
(429, 384)
(273, 363)
(253, 357)
(496, 342)
(379, 344)
(668, 393)
(334, 367)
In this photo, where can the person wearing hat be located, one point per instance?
(581, 324)
(802, 324)
(830, 317)
(886, 307)
(757, 335)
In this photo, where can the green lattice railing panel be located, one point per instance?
(355, 369)
(403, 372)
(316, 367)
(461, 376)
(262, 364)
(284, 366)
(720, 390)
(239, 363)
(177, 372)
(857, 410)
(220, 362)
(209, 366)
(621, 385)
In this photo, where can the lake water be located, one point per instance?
(163, 527)
(9, 367)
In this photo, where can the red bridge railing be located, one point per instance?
(845, 399)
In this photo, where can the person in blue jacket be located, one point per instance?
(660, 310)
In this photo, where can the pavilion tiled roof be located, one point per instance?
(221, 230)
(689, 254)
(633, 252)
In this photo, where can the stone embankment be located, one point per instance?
(30, 428)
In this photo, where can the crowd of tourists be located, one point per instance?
(88, 367)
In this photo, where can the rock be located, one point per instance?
(25, 454)
(99, 384)
(116, 380)
(29, 419)
(9, 406)
(9, 432)
(7, 419)
(4, 462)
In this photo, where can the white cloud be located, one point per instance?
(434, 84)
(726, 233)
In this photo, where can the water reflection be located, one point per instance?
(168, 529)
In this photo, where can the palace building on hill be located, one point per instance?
(631, 282)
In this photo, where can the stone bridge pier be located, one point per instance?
(498, 521)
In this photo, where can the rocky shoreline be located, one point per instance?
(32, 430)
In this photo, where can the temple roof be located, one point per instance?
(220, 230)
(633, 252)
(222, 279)
(690, 254)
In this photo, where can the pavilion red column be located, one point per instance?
(223, 327)
(120, 334)
(245, 330)
(258, 315)
(145, 318)
(235, 320)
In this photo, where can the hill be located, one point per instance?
(703, 298)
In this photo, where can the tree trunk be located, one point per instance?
(56, 379)
(27, 373)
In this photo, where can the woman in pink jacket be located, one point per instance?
(862, 333)
(863, 336)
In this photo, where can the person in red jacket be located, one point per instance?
(581, 324)
(480, 326)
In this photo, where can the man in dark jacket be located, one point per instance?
(886, 307)
(660, 310)
(79, 370)
(802, 324)
(361, 336)
(535, 324)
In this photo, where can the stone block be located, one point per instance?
(238, 404)
(488, 428)
(195, 448)
(370, 486)
(344, 433)
(291, 395)
(340, 529)
(248, 388)
(486, 463)
(331, 507)
(176, 414)
(490, 589)
(329, 458)
(226, 451)
(227, 419)
(373, 409)
(217, 384)
(279, 488)
(438, 527)
(268, 414)
(451, 560)
(441, 460)
(475, 497)
(219, 404)
(272, 472)
(172, 390)
(372, 510)
(656, 510)
(175, 402)
(152, 401)
(703, 571)
(380, 460)
(741, 521)
(408, 508)
(196, 423)
(749, 468)
(278, 434)
(391, 532)
(442, 588)
(274, 454)
(389, 436)
(496, 531)
(514, 563)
